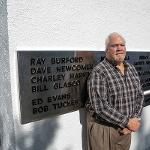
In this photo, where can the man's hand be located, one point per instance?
(125, 131)
(133, 124)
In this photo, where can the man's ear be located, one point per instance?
(106, 50)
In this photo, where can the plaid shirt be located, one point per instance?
(115, 97)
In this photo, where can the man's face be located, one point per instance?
(116, 50)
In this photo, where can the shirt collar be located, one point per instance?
(113, 63)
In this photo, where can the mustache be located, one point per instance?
(119, 53)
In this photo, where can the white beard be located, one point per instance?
(120, 58)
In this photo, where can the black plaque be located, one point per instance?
(54, 82)
(141, 61)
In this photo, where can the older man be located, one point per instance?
(115, 99)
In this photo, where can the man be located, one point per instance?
(115, 99)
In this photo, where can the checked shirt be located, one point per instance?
(115, 97)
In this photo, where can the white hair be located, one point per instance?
(108, 39)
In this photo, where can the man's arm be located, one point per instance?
(139, 98)
(135, 122)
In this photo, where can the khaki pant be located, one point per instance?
(102, 137)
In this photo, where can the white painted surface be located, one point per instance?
(71, 25)
(7, 138)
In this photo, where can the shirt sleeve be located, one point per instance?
(97, 90)
(139, 98)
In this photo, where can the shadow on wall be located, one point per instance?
(147, 141)
(139, 137)
(41, 136)
(1, 127)
(143, 137)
